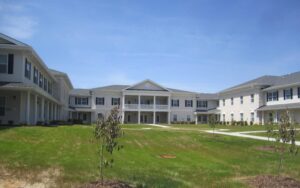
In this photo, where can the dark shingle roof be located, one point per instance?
(111, 88)
(82, 92)
(260, 81)
(288, 79)
(207, 96)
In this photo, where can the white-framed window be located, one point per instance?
(115, 101)
(241, 116)
(2, 106)
(298, 92)
(252, 98)
(175, 117)
(99, 100)
(232, 117)
(49, 87)
(45, 84)
(175, 103)
(223, 102)
(41, 80)
(272, 96)
(188, 103)
(288, 94)
(81, 100)
(27, 69)
(188, 118)
(252, 116)
(35, 75)
(232, 102)
(242, 99)
(201, 104)
(3, 63)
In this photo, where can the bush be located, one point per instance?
(251, 122)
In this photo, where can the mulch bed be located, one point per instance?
(107, 184)
(269, 181)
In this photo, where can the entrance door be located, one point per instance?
(157, 119)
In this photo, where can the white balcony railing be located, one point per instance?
(146, 106)
(162, 106)
(131, 106)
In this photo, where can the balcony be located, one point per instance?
(157, 107)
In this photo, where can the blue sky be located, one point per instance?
(203, 46)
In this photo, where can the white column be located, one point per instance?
(139, 112)
(196, 120)
(169, 117)
(262, 117)
(42, 109)
(123, 109)
(35, 109)
(49, 115)
(154, 117)
(28, 108)
(154, 103)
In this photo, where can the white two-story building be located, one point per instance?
(144, 102)
(29, 91)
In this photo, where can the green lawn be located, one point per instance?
(266, 135)
(201, 159)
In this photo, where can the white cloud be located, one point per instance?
(15, 22)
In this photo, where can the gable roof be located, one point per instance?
(4, 39)
(264, 81)
(111, 88)
(64, 75)
(147, 85)
(286, 80)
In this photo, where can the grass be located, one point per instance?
(266, 135)
(201, 159)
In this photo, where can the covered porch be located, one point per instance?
(145, 117)
(273, 113)
(21, 105)
(202, 116)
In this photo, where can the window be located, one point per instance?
(35, 75)
(272, 96)
(241, 117)
(223, 102)
(175, 103)
(232, 117)
(232, 101)
(288, 94)
(242, 99)
(3, 63)
(188, 118)
(2, 106)
(49, 87)
(115, 101)
(188, 103)
(252, 98)
(224, 118)
(252, 116)
(99, 101)
(81, 100)
(27, 69)
(175, 117)
(201, 104)
(41, 78)
(298, 92)
(45, 84)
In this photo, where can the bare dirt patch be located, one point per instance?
(269, 181)
(41, 179)
(107, 184)
(168, 156)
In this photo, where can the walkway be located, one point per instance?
(245, 135)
